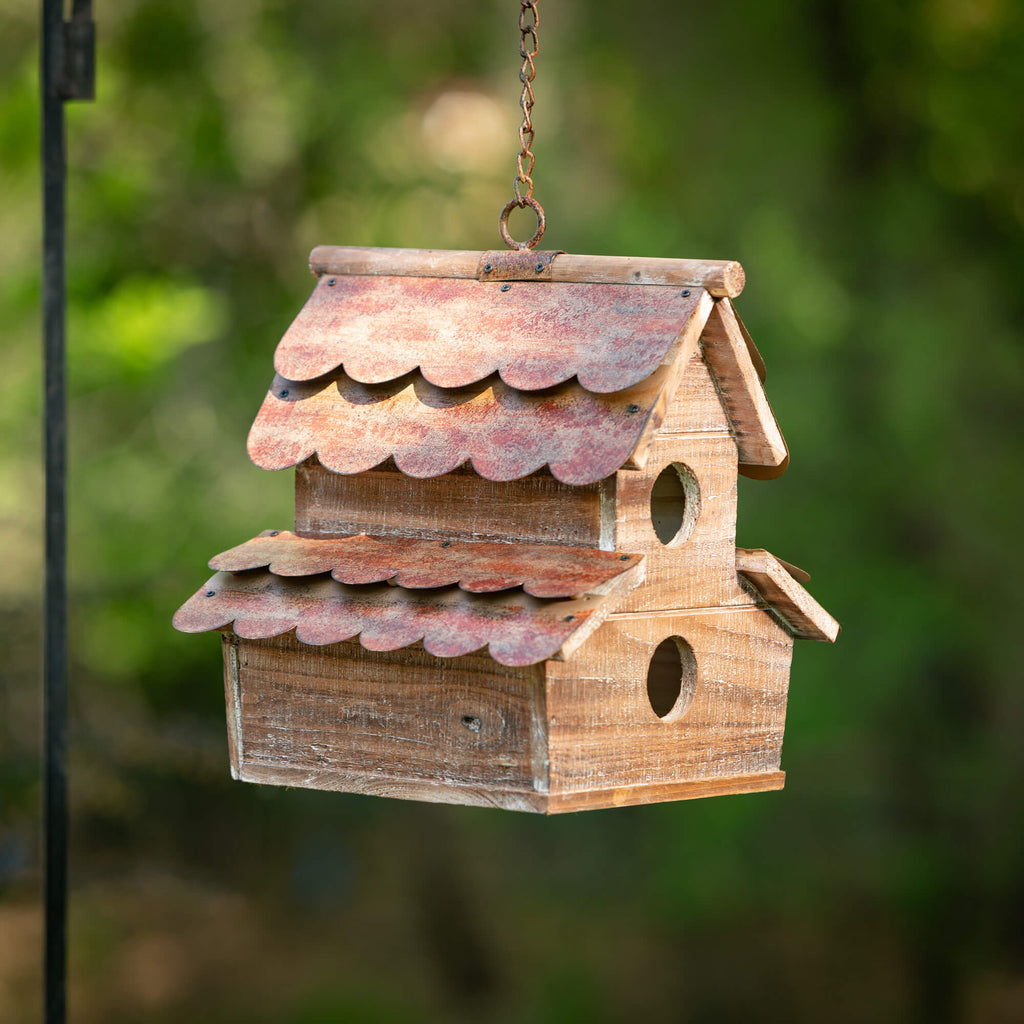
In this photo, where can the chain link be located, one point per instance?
(529, 21)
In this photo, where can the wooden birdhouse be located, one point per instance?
(513, 578)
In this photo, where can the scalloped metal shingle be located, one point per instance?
(456, 332)
(517, 629)
(505, 433)
(541, 570)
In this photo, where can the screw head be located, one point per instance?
(506, 287)
(685, 292)
(446, 543)
(569, 618)
(283, 393)
(211, 593)
(488, 268)
(624, 558)
(274, 533)
(632, 408)
(331, 281)
(540, 268)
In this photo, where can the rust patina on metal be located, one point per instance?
(457, 332)
(517, 628)
(505, 433)
(542, 570)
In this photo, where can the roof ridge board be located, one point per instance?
(543, 571)
(800, 613)
(456, 332)
(517, 629)
(720, 277)
(352, 427)
(762, 448)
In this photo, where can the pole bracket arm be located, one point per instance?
(78, 59)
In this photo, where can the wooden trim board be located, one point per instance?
(511, 799)
(719, 277)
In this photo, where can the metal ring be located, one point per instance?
(503, 223)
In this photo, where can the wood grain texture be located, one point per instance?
(604, 735)
(463, 506)
(516, 629)
(674, 369)
(429, 431)
(762, 449)
(719, 277)
(541, 570)
(232, 700)
(700, 570)
(659, 792)
(456, 332)
(772, 579)
(695, 407)
(392, 724)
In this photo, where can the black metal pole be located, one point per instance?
(66, 70)
(55, 650)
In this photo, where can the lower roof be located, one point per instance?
(519, 629)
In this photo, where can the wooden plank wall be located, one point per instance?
(457, 506)
(608, 747)
(388, 723)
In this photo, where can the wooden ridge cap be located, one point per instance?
(722, 278)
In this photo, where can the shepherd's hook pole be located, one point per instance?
(66, 72)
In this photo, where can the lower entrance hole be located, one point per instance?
(672, 678)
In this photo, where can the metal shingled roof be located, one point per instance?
(541, 570)
(429, 431)
(457, 332)
(518, 629)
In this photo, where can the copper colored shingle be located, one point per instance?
(519, 629)
(457, 332)
(507, 434)
(542, 570)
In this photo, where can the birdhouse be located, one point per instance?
(513, 579)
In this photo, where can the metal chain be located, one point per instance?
(528, 47)
(529, 21)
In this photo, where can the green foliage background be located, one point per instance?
(865, 161)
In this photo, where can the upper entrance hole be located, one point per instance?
(675, 504)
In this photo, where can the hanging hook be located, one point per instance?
(503, 222)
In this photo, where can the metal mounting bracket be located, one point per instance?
(78, 59)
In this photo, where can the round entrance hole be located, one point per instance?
(672, 678)
(675, 504)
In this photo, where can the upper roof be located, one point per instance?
(508, 361)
